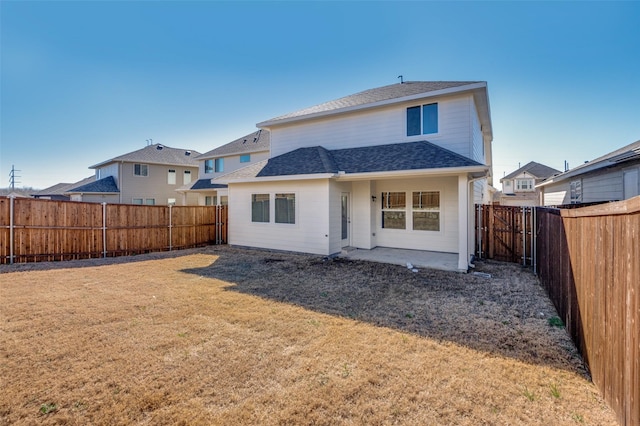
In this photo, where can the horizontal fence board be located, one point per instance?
(46, 230)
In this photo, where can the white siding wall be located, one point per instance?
(378, 127)
(108, 170)
(477, 139)
(446, 240)
(232, 163)
(310, 233)
(604, 186)
(556, 194)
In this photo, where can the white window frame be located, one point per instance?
(422, 131)
(209, 166)
(143, 169)
(437, 210)
(171, 177)
(389, 207)
(268, 200)
(275, 208)
(218, 165)
(186, 177)
(575, 191)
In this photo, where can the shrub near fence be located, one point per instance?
(589, 263)
(33, 230)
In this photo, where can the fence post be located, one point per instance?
(524, 237)
(11, 228)
(104, 230)
(170, 223)
(534, 240)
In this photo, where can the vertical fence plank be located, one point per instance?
(588, 263)
(49, 230)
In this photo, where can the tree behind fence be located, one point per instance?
(45, 230)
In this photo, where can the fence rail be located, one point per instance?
(33, 230)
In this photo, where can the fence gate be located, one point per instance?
(505, 233)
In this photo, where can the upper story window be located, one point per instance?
(422, 120)
(246, 158)
(219, 165)
(140, 170)
(524, 184)
(208, 166)
(187, 177)
(171, 177)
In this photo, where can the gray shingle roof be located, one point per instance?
(157, 154)
(206, 184)
(537, 170)
(629, 152)
(380, 94)
(379, 158)
(105, 185)
(62, 188)
(253, 142)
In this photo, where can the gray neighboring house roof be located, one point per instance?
(627, 153)
(205, 184)
(398, 92)
(259, 140)
(62, 188)
(380, 158)
(537, 170)
(102, 186)
(157, 154)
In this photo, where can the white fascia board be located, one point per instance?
(424, 95)
(278, 178)
(445, 171)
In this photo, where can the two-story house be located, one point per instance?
(227, 158)
(614, 176)
(519, 187)
(150, 175)
(398, 166)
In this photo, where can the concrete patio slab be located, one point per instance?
(418, 258)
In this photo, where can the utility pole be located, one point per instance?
(12, 177)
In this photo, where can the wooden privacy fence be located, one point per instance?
(505, 233)
(589, 263)
(33, 230)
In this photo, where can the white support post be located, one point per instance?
(463, 222)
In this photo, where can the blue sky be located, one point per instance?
(85, 81)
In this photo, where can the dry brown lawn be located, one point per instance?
(222, 335)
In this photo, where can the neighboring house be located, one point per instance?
(614, 176)
(398, 166)
(519, 187)
(150, 175)
(227, 158)
(59, 191)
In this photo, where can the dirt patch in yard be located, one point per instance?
(223, 335)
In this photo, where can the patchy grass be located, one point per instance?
(228, 336)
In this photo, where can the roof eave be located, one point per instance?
(280, 178)
(423, 95)
(476, 171)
